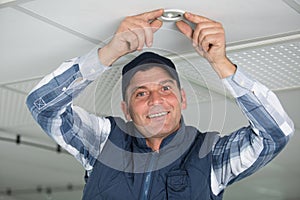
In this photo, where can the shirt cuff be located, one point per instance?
(239, 83)
(90, 65)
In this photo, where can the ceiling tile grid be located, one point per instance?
(277, 66)
(13, 110)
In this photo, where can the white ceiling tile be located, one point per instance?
(31, 48)
(242, 20)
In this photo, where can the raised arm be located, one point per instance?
(51, 102)
(248, 149)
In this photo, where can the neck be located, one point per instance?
(154, 143)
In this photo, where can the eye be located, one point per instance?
(166, 88)
(141, 94)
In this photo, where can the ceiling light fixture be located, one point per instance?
(172, 15)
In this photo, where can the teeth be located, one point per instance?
(157, 114)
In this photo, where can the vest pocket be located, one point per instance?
(178, 185)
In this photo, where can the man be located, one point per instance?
(155, 155)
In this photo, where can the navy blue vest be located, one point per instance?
(128, 169)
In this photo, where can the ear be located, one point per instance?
(183, 99)
(125, 110)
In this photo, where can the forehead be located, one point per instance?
(152, 75)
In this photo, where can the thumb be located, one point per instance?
(185, 28)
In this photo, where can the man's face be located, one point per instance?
(154, 102)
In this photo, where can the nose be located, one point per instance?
(155, 98)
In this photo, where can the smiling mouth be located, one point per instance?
(160, 114)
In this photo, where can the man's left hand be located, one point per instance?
(208, 39)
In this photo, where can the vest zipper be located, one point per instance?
(148, 177)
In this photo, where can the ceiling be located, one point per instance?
(263, 37)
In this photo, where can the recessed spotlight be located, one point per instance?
(172, 15)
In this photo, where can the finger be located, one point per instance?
(148, 36)
(145, 30)
(196, 18)
(203, 26)
(149, 30)
(155, 25)
(151, 15)
(208, 31)
(195, 36)
(185, 29)
(130, 39)
(140, 37)
(206, 43)
(212, 41)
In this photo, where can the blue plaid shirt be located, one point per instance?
(83, 135)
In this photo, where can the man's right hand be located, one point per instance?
(133, 33)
